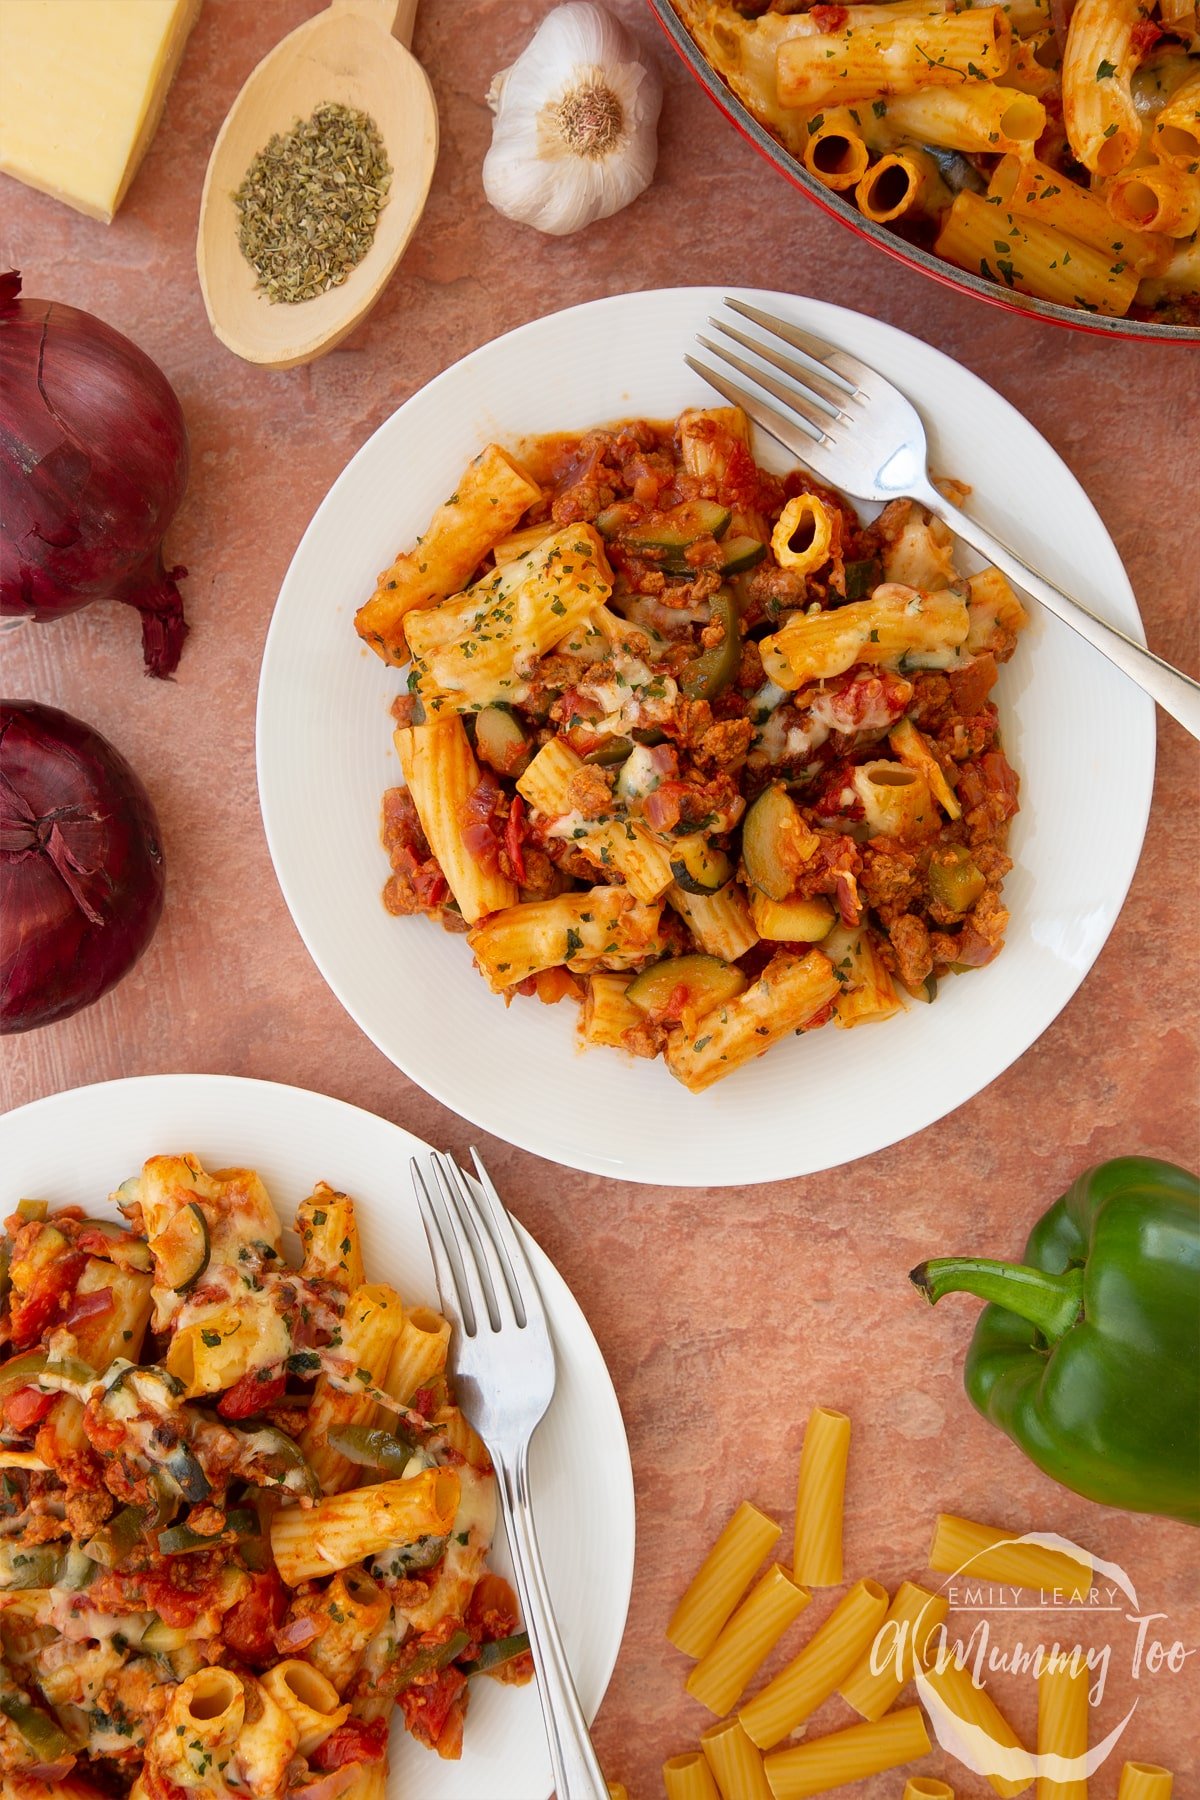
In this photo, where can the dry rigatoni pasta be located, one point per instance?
(1062, 1730)
(989, 1553)
(847, 1756)
(820, 1492)
(896, 1652)
(721, 1580)
(688, 1777)
(820, 1667)
(746, 1639)
(1145, 1781)
(735, 1762)
(969, 1722)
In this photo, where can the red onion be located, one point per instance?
(81, 870)
(93, 465)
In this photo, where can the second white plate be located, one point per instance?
(1080, 736)
(74, 1148)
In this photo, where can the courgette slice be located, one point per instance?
(129, 1251)
(674, 531)
(181, 1540)
(862, 578)
(610, 753)
(501, 741)
(741, 553)
(698, 983)
(791, 921)
(698, 868)
(183, 1249)
(710, 673)
(955, 879)
(775, 842)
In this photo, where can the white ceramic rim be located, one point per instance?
(729, 1137)
(71, 1147)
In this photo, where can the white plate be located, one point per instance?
(74, 1148)
(1080, 735)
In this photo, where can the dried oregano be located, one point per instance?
(310, 202)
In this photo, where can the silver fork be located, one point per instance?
(856, 431)
(504, 1376)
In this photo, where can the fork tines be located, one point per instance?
(481, 1267)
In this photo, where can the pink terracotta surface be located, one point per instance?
(723, 1317)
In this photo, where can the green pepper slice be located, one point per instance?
(372, 1449)
(45, 1738)
(710, 673)
(497, 1653)
(181, 1540)
(429, 1658)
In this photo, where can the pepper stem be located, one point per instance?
(1051, 1302)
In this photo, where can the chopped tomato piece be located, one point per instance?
(47, 1300)
(27, 1408)
(257, 1389)
(248, 1627)
(358, 1740)
(428, 1702)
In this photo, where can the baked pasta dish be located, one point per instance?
(691, 745)
(242, 1521)
(1051, 146)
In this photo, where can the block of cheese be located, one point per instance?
(82, 91)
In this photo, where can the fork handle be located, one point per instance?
(577, 1774)
(1174, 691)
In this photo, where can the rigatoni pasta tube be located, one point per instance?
(328, 1231)
(893, 57)
(1145, 1781)
(1102, 55)
(971, 1726)
(1177, 140)
(924, 1787)
(914, 748)
(352, 1609)
(1034, 190)
(850, 1755)
(745, 1640)
(735, 1762)
(720, 923)
(903, 182)
(308, 1698)
(834, 150)
(268, 1741)
(1062, 1729)
(790, 991)
(491, 495)
(824, 1662)
(607, 927)
(896, 621)
(419, 1353)
(309, 1542)
(200, 1727)
(441, 772)
(985, 238)
(569, 578)
(979, 116)
(721, 1580)
(989, 1553)
(820, 1490)
(895, 1652)
(689, 1777)
(896, 800)
(607, 1015)
(1160, 197)
(617, 1791)
(803, 537)
(371, 1324)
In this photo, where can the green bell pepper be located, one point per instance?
(1088, 1355)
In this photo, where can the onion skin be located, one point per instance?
(93, 466)
(81, 866)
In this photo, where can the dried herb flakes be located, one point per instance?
(310, 202)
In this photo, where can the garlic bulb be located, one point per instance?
(574, 138)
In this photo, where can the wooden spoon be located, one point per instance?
(347, 54)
